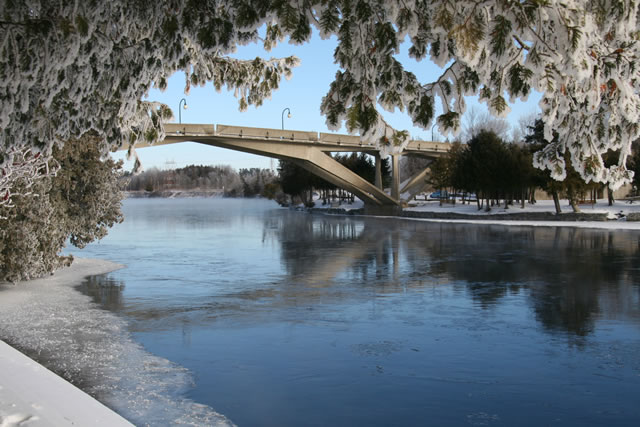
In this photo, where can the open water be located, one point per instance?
(284, 318)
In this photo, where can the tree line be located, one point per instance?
(497, 172)
(246, 182)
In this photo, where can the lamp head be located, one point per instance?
(185, 106)
(289, 116)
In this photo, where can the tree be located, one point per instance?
(70, 67)
(521, 177)
(295, 181)
(572, 186)
(635, 166)
(484, 161)
(80, 203)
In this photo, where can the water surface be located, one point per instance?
(287, 319)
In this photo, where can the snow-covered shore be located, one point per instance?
(49, 320)
(618, 216)
(32, 395)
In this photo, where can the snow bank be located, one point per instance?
(617, 214)
(32, 395)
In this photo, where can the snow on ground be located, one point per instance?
(601, 206)
(32, 395)
(616, 213)
(51, 322)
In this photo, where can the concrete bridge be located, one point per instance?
(309, 151)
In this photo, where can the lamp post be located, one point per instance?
(180, 111)
(288, 116)
(434, 125)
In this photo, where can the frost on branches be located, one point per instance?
(79, 204)
(70, 67)
(580, 54)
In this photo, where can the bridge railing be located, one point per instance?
(266, 133)
(322, 138)
(190, 129)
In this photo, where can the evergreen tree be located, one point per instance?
(80, 204)
(295, 181)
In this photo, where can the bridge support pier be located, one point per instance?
(384, 210)
(395, 179)
(378, 182)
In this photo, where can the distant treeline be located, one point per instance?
(243, 183)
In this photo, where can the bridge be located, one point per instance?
(309, 151)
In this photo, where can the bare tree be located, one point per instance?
(524, 127)
(476, 121)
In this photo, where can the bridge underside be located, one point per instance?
(316, 162)
(310, 150)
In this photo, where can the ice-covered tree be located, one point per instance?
(68, 67)
(580, 54)
(80, 203)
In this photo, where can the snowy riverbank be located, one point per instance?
(621, 215)
(50, 321)
(32, 395)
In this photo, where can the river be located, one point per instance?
(284, 318)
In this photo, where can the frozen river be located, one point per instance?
(283, 318)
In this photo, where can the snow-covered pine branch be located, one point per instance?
(580, 54)
(70, 67)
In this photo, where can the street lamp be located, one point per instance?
(180, 111)
(434, 125)
(288, 116)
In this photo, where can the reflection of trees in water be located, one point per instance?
(104, 290)
(569, 274)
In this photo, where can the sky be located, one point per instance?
(302, 94)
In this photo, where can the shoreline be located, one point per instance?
(621, 216)
(29, 392)
(101, 376)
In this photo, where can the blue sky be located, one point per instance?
(302, 94)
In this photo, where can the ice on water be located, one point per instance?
(56, 325)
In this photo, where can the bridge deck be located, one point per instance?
(324, 141)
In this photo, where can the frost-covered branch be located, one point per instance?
(78, 67)
(581, 55)
(25, 168)
(70, 68)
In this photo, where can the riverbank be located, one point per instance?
(30, 393)
(51, 322)
(173, 194)
(621, 215)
